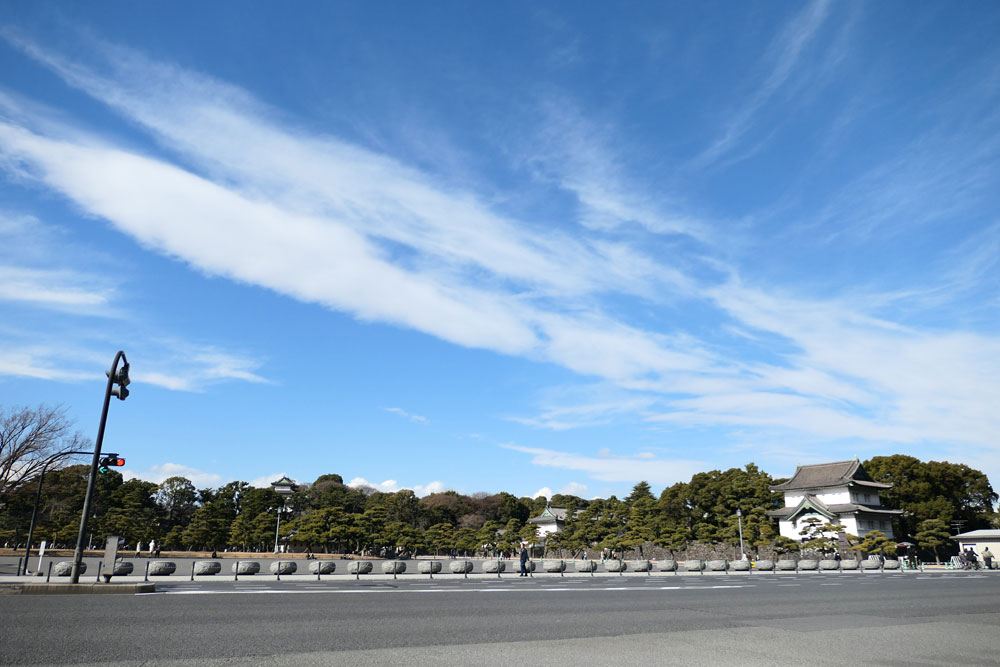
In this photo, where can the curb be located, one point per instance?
(71, 589)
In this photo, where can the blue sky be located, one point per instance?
(557, 247)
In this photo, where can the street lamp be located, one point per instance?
(284, 487)
(739, 518)
(38, 497)
(117, 382)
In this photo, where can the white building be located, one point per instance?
(840, 493)
(551, 520)
(978, 541)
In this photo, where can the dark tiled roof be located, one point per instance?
(825, 475)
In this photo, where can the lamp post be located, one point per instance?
(284, 487)
(38, 496)
(739, 518)
(116, 376)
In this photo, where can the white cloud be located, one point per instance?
(406, 415)
(158, 473)
(544, 491)
(572, 489)
(392, 486)
(615, 468)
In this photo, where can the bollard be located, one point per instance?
(277, 572)
(19, 567)
(236, 571)
(145, 577)
(49, 573)
(192, 570)
(97, 579)
(317, 572)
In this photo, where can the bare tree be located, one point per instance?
(28, 437)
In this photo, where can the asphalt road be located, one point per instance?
(889, 619)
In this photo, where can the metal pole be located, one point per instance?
(739, 518)
(78, 553)
(276, 529)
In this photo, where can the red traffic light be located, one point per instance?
(111, 461)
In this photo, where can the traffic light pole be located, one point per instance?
(78, 553)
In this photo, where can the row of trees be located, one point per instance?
(329, 516)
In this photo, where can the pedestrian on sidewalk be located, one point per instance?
(524, 561)
(988, 558)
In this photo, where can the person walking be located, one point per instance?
(988, 558)
(524, 561)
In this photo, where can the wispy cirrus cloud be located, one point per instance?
(781, 59)
(419, 419)
(611, 468)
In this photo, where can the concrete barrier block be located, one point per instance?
(694, 565)
(554, 565)
(122, 568)
(787, 564)
(246, 567)
(393, 567)
(495, 566)
(640, 566)
(283, 567)
(207, 567)
(764, 565)
(740, 566)
(360, 567)
(161, 568)
(615, 565)
(718, 565)
(829, 564)
(429, 566)
(891, 565)
(870, 565)
(64, 568)
(848, 565)
(586, 566)
(461, 566)
(667, 565)
(322, 567)
(809, 564)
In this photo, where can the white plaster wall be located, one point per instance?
(835, 496)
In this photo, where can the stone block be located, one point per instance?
(161, 568)
(461, 566)
(808, 564)
(718, 565)
(393, 567)
(246, 567)
(764, 565)
(694, 565)
(668, 565)
(554, 565)
(322, 567)
(640, 566)
(870, 565)
(283, 567)
(787, 564)
(586, 566)
(829, 564)
(740, 566)
(64, 568)
(122, 568)
(891, 565)
(848, 565)
(494, 566)
(615, 565)
(207, 567)
(429, 566)
(360, 567)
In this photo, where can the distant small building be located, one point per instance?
(978, 540)
(840, 493)
(551, 520)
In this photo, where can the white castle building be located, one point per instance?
(841, 494)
